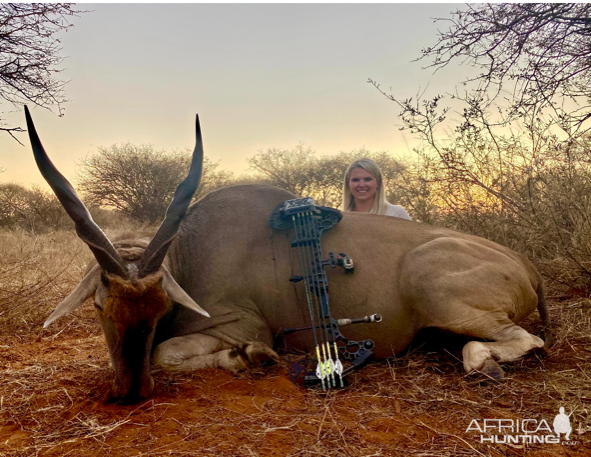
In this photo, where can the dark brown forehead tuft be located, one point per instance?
(132, 301)
(134, 286)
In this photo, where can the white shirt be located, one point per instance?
(397, 211)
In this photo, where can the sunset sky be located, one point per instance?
(259, 75)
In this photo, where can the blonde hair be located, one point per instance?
(380, 204)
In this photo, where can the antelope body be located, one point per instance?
(219, 293)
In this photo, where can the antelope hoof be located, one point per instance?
(258, 353)
(493, 369)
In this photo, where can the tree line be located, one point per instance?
(531, 193)
(139, 181)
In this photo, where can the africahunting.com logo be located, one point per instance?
(525, 431)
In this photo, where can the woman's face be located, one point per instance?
(363, 185)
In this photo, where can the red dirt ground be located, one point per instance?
(55, 388)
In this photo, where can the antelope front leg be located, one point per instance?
(197, 351)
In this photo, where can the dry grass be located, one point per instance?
(39, 271)
(36, 271)
(53, 386)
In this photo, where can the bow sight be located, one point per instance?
(309, 222)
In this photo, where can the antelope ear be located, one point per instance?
(83, 290)
(177, 294)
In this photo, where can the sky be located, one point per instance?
(260, 76)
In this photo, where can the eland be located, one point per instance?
(211, 288)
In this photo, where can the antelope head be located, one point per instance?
(132, 289)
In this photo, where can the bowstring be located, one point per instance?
(307, 275)
(309, 256)
(314, 253)
(325, 307)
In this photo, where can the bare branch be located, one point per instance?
(30, 54)
(541, 51)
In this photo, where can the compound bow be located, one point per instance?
(309, 223)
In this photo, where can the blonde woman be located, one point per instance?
(363, 191)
